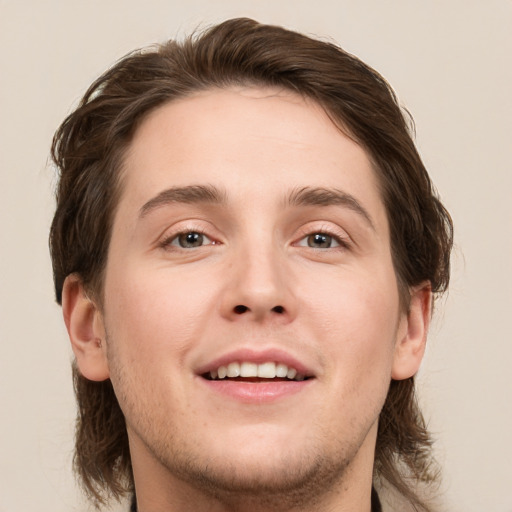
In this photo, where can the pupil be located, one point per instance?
(319, 240)
(191, 239)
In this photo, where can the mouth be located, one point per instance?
(256, 377)
(245, 371)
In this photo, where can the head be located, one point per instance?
(241, 60)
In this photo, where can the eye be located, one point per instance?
(319, 241)
(189, 240)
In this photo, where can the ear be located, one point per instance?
(413, 329)
(84, 323)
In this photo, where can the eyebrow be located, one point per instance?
(209, 194)
(188, 194)
(320, 196)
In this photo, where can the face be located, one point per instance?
(251, 310)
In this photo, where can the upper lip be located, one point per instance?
(256, 356)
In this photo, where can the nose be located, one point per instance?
(259, 287)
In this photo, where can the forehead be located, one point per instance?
(251, 142)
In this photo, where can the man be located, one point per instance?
(246, 248)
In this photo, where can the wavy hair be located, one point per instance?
(88, 149)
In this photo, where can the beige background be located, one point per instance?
(450, 62)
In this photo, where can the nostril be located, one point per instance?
(240, 309)
(278, 309)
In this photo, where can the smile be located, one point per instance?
(267, 370)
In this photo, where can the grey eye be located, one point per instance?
(191, 239)
(320, 241)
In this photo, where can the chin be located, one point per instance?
(281, 470)
(291, 480)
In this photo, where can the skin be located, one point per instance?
(169, 310)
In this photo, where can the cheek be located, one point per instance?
(156, 313)
(356, 318)
(153, 320)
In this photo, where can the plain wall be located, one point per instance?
(450, 65)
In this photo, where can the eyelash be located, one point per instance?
(167, 242)
(338, 236)
(340, 239)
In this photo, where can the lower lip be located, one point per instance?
(257, 392)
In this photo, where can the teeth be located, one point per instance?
(291, 373)
(233, 370)
(281, 370)
(268, 370)
(249, 370)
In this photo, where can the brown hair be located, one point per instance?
(88, 149)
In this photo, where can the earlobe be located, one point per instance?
(412, 339)
(84, 323)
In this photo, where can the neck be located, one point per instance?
(160, 490)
